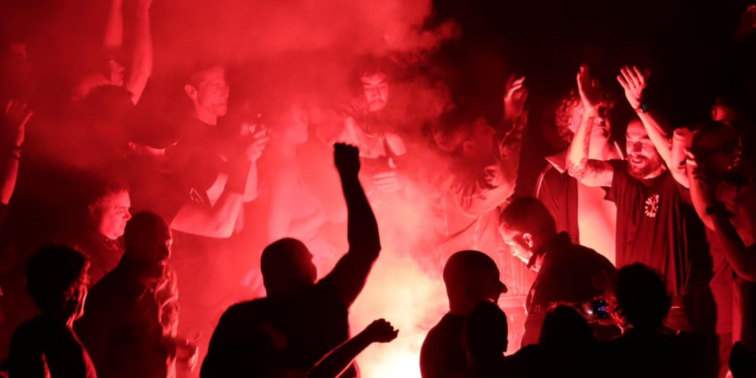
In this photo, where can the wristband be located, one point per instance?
(643, 108)
(716, 208)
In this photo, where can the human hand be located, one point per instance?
(347, 159)
(255, 143)
(590, 92)
(515, 98)
(13, 120)
(381, 331)
(187, 353)
(633, 81)
(390, 181)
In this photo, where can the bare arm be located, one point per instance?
(352, 270)
(15, 116)
(219, 220)
(141, 63)
(338, 360)
(113, 38)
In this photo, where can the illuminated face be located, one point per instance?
(376, 90)
(480, 148)
(111, 214)
(211, 94)
(721, 112)
(642, 157)
(517, 241)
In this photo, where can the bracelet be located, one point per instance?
(717, 208)
(643, 108)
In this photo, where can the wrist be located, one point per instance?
(641, 107)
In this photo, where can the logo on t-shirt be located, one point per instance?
(652, 206)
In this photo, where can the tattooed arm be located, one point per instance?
(586, 171)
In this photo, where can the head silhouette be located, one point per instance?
(148, 243)
(57, 279)
(565, 328)
(471, 277)
(486, 334)
(642, 297)
(287, 267)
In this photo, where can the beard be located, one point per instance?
(644, 167)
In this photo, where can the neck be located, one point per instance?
(658, 172)
(285, 150)
(206, 117)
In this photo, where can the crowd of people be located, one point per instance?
(137, 246)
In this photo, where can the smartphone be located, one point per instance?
(596, 309)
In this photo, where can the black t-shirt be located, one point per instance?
(40, 347)
(658, 226)
(278, 334)
(442, 353)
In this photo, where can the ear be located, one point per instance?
(528, 239)
(467, 146)
(190, 91)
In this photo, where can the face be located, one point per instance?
(717, 152)
(643, 159)
(76, 296)
(111, 214)
(154, 249)
(376, 90)
(517, 241)
(721, 112)
(480, 148)
(297, 130)
(211, 94)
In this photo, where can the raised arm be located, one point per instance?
(586, 171)
(113, 39)
(335, 362)
(351, 272)
(15, 116)
(634, 82)
(142, 60)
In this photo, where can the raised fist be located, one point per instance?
(381, 331)
(347, 159)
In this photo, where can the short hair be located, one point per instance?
(140, 224)
(486, 331)
(465, 264)
(373, 65)
(280, 255)
(528, 214)
(642, 296)
(104, 187)
(53, 270)
(197, 72)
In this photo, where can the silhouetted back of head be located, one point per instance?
(742, 361)
(486, 333)
(528, 214)
(642, 296)
(564, 328)
(143, 230)
(287, 267)
(51, 274)
(471, 277)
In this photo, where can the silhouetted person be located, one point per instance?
(132, 313)
(567, 272)
(309, 318)
(485, 341)
(648, 348)
(470, 278)
(566, 347)
(46, 346)
(742, 361)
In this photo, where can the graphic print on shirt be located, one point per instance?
(651, 207)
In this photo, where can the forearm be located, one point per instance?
(113, 38)
(578, 152)
(142, 60)
(335, 362)
(250, 189)
(509, 150)
(8, 176)
(700, 203)
(741, 258)
(658, 134)
(362, 227)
